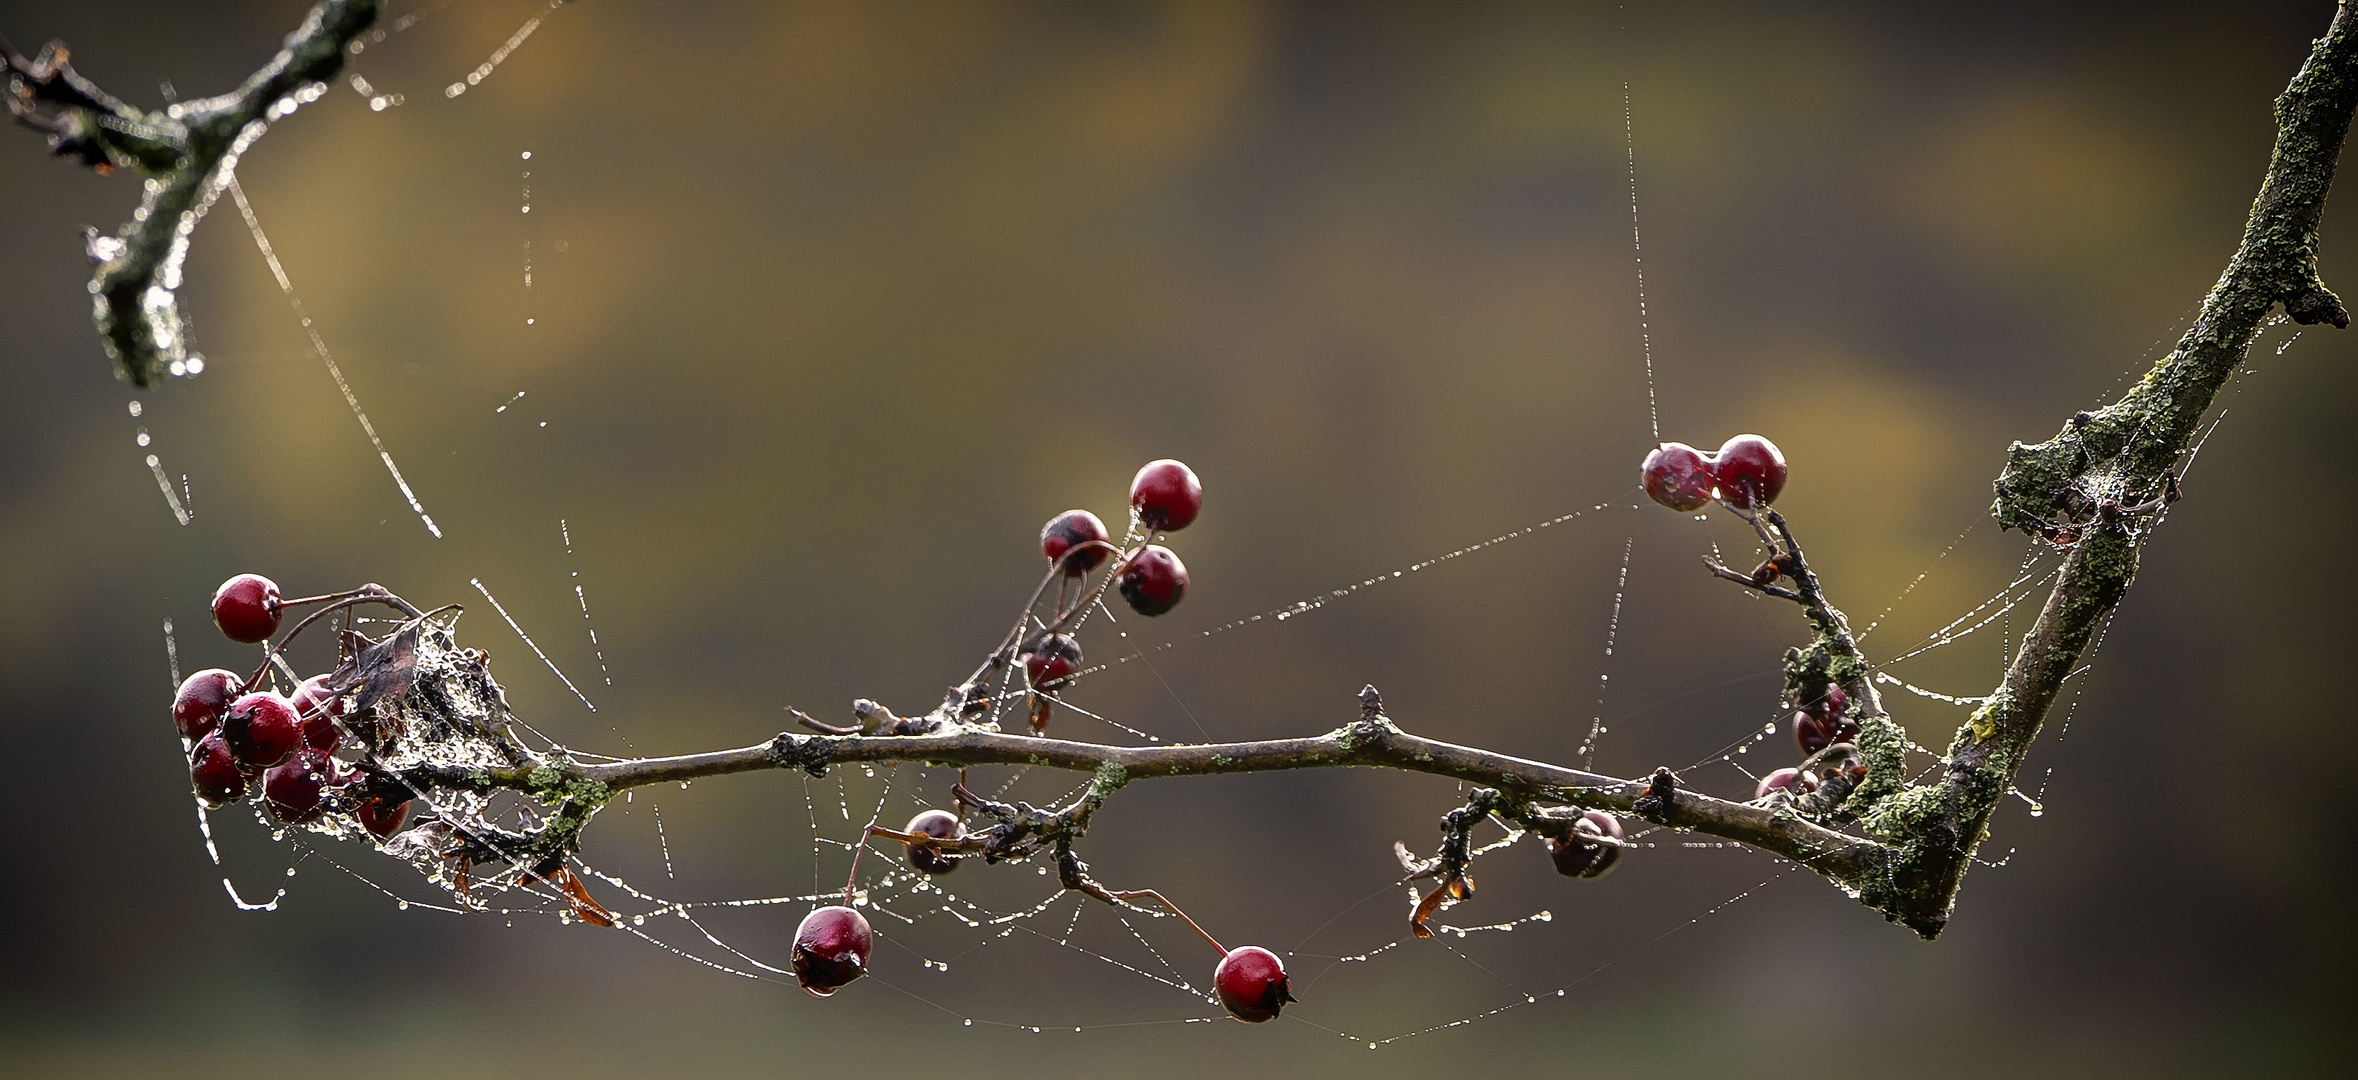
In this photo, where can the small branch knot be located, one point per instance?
(2317, 304)
(806, 752)
(1661, 795)
(1371, 704)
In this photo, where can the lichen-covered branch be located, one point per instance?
(2098, 484)
(187, 151)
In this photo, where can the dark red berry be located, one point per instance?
(1051, 661)
(1166, 495)
(261, 730)
(1583, 856)
(380, 803)
(247, 608)
(943, 824)
(1252, 984)
(203, 697)
(292, 789)
(214, 773)
(1748, 468)
(831, 949)
(1789, 781)
(1830, 705)
(1076, 541)
(1155, 581)
(1677, 476)
(1811, 733)
(382, 816)
(319, 709)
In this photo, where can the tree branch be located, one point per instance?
(2077, 488)
(188, 151)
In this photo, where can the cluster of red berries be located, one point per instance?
(1165, 497)
(241, 739)
(1747, 471)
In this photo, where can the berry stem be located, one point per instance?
(366, 594)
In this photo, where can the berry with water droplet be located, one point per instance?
(831, 949)
(1789, 781)
(203, 697)
(1155, 581)
(1748, 469)
(1677, 476)
(1075, 540)
(380, 803)
(1252, 984)
(320, 708)
(261, 730)
(1166, 495)
(1586, 854)
(247, 608)
(1051, 661)
(938, 823)
(214, 773)
(292, 788)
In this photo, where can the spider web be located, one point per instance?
(940, 937)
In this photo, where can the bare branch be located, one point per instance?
(188, 150)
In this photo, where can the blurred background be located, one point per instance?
(818, 310)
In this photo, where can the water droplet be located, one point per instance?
(134, 408)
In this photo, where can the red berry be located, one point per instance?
(943, 824)
(1677, 476)
(1748, 468)
(831, 949)
(261, 730)
(319, 709)
(1155, 581)
(203, 697)
(1166, 495)
(1078, 532)
(292, 788)
(1252, 984)
(1790, 781)
(1051, 661)
(1582, 856)
(382, 816)
(247, 608)
(380, 803)
(214, 773)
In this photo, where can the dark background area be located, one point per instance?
(831, 305)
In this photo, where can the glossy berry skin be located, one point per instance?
(379, 803)
(1166, 495)
(943, 824)
(214, 773)
(319, 709)
(261, 730)
(1587, 859)
(1748, 469)
(1789, 781)
(1051, 661)
(203, 697)
(1677, 476)
(382, 816)
(1252, 984)
(247, 608)
(292, 789)
(831, 949)
(1155, 581)
(1073, 541)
